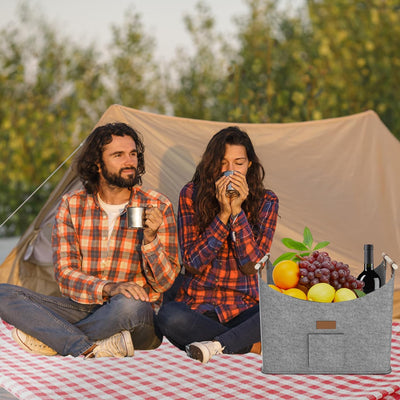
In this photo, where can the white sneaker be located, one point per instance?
(203, 351)
(31, 344)
(118, 345)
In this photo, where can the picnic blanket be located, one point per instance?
(167, 373)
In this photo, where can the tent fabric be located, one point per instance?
(336, 176)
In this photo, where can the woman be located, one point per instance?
(221, 236)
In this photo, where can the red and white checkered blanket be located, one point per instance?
(167, 373)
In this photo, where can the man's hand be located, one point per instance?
(153, 221)
(128, 289)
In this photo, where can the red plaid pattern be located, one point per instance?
(85, 260)
(218, 284)
(167, 373)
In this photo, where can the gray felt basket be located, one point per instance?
(304, 337)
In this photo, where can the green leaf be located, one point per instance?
(308, 239)
(284, 256)
(320, 245)
(294, 244)
(359, 292)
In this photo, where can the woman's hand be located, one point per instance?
(239, 183)
(223, 200)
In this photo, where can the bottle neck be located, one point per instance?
(368, 267)
(368, 257)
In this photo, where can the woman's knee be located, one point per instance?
(171, 315)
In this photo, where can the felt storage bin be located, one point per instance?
(305, 337)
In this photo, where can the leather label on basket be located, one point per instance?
(326, 324)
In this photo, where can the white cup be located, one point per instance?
(136, 217)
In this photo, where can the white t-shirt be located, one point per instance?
(113, 211)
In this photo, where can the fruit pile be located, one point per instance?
(318, 267)
(316, 278)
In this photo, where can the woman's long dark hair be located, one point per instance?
(209, 170)
(92, 153)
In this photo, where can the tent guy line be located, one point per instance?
(41, 185)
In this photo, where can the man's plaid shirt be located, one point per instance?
(214, 282)
(85, 260)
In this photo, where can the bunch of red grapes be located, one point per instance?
(318, 267)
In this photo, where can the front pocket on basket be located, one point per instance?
(325, 351)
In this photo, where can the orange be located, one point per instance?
(294, 292)
(286, 274)
(275, 288)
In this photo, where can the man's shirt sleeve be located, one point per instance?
(72, 282)
(160, 257)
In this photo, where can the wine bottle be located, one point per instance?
(371, 279)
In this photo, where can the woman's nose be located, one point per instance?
(227, 167)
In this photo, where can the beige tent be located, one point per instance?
(336, 176)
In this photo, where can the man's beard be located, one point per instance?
(118, 180)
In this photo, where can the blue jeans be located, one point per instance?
(182, 325)
(71, 328)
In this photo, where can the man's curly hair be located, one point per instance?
(91, 154)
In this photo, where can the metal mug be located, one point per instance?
(136, 217)
(230, 191)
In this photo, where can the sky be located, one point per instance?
(89, 21)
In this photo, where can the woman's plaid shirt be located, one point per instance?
(85, 260)
(213, 280)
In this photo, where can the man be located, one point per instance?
(222, 236)
(111, 277)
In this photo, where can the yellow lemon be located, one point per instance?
(344, 294)
(321, 293)
(294, 292)
(275, 288)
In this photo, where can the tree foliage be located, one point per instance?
(52, 92)
(327, 59)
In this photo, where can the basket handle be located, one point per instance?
(389, 261)
(261, 262)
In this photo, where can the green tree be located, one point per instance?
(198, 78)
(52, 93)
(326, 59)
(356, 57)
(266, 80)
(41, 117)
(133, 73)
